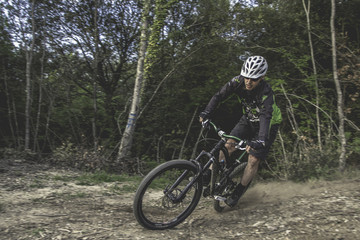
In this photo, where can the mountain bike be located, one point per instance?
(170, 192)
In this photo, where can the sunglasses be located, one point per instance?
(254, 79)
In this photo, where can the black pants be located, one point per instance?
(247, 130)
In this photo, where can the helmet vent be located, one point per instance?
(254, 67)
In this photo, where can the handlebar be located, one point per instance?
(241, 144)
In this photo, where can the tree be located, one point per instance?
(340, 103)
(22, 23)
(29, 58)
(127, 138)
(84, 62)
(307, 12)
(7, 112)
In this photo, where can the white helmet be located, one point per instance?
(254, 67)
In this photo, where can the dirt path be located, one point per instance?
(34, 205)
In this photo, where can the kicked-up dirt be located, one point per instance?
(36, 204)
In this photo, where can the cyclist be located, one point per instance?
(259, 122)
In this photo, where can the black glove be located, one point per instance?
(258, 144)
(205, 119)
(204, 115)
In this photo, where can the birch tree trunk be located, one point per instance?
(36, 145)
(307, 12)
(340, 102)
(37, 124)
(127, 137)
(29, 57)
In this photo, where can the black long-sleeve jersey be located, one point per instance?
(258, 104)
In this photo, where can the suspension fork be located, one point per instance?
(179, 198)
(168, 191)
(211, 155)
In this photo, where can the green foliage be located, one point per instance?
(354, 150)
(314, 165)
(122, 183)
(63, 178)
(194, 47)
(147, 164)
(302, 165)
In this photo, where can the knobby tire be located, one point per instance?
(220, 205)
(153, 208)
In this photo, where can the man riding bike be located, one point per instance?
(259, 122)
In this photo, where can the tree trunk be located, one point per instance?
(340, 103)
(193, 154)
(28, 100)
(36, 132)
(286, 162)
(29, 56)
(187, 134)
(307, 12)
(17, 131)
(127, 138)
(95, 76)
(47, 125)
(10, 111)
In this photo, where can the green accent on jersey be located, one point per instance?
(237, 79)
(264, 97)
(240, 101)
(276, 115)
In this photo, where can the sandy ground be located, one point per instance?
(35, 204)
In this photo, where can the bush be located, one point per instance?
(304, 163)
(79, 157)
(14, 154)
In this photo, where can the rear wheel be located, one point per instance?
(159, 201)
(217, 190)
(229, 186)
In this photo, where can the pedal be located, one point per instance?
(220, 198)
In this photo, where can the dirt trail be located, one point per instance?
(33, 205)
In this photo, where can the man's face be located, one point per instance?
(251, 83)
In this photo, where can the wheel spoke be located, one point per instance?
(160, 203)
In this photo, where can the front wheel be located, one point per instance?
(167, 195)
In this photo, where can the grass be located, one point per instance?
(37, 184)
(101, 177)
(349, 174)
(37, 232)
(124, 183)
(125, 188)
(64, 178)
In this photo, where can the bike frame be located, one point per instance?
(212, 158)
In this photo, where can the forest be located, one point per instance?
(118, 85)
